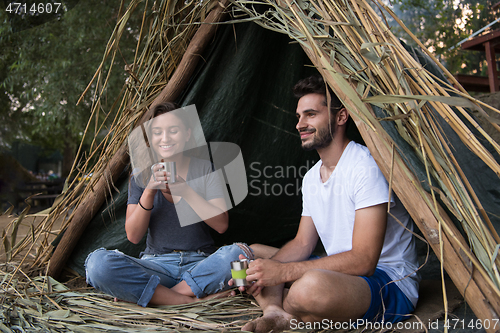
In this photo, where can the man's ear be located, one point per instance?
(342, 116)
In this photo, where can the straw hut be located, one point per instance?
(236, 61)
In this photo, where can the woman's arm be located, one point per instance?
(137, 218)
(213, 212)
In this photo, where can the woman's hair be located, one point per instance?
(165, 107)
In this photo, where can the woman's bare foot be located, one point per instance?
(166, 296)
(184, 289)
(120, 300)
(221, 294)
(275, 319)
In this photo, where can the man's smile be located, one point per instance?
(306, 133)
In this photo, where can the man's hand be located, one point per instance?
(251, 289)
(265, 272)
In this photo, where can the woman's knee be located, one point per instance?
(98, 266)
(263, 251)
(232, 252)
(212, 274)
(247, 250)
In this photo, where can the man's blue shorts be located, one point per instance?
(388, 303)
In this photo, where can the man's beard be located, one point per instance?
(321, 139)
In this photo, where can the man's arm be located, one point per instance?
(367, 241)
(301, 247)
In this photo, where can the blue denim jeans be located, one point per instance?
(135, 280)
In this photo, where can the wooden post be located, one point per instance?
(89, 207)
(192, 56)
(86, 211)
(472, 285)
(492, 66)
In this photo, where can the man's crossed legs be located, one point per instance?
(323, 294)
(317, 295)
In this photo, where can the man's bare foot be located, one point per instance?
(273, 320)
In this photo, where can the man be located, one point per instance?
(369, 272)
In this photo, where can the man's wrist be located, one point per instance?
(288, 270)
(292, 271)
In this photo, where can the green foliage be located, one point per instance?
(46, 66)
(441, 24)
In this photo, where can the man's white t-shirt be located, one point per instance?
(355, 183)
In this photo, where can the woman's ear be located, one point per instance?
(188, 134)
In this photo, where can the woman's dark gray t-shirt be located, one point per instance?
(165, 233)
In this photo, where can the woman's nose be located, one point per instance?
(165, 137)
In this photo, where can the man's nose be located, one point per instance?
(300, 124)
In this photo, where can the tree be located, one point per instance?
(441, 24)
(46, 63)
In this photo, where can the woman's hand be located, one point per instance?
(179, 188)
(158, 178)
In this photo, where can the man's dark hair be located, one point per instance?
(316, 85)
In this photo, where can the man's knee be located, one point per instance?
(326, 294)
(305, 293)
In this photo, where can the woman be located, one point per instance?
(177, 265)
